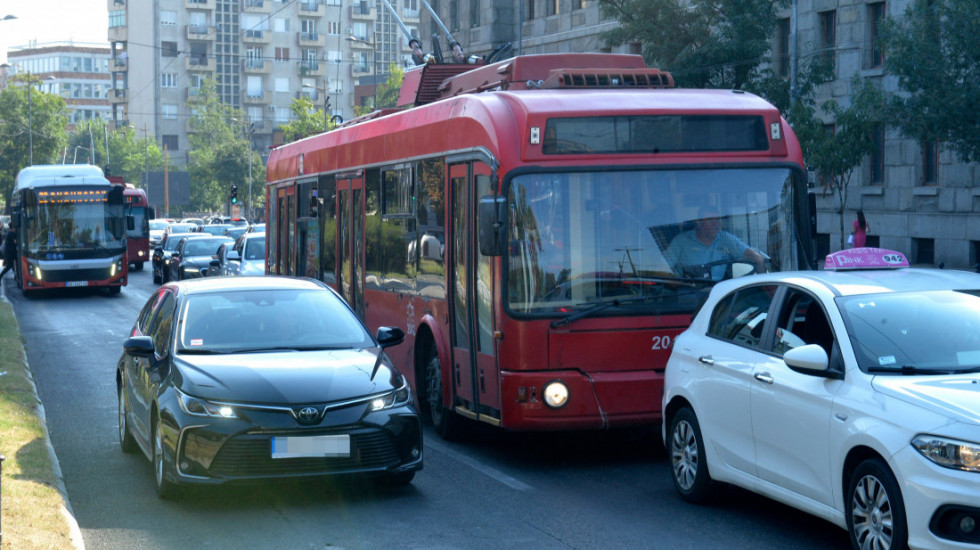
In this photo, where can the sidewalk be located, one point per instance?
(65, 511)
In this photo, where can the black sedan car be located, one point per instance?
(192, 257)
(226, 380)
(162, 253)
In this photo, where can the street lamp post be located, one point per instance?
(374, 57)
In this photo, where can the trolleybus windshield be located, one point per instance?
(75, 219)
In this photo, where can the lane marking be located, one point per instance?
(494, 473)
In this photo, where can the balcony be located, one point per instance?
(258, 6)
(199, 64)
(200, 32)
(118, 64)
(249, 99)
(199, 4)
(362, 13)
(311, 39)
(252, 36)
(312, 8)
(257, 66)
(192, 93)
(118, 34)
(117, 95)
(116, 4)
(359, 70)
(312, 68)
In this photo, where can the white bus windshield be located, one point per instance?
(60, 226)
(643, 237)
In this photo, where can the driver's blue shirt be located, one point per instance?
(686, 250)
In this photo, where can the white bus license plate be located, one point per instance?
(76, 283)
(311, 446)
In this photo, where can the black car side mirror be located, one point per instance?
(390, 336)
(139, 346)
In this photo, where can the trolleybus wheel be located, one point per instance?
(443, 418)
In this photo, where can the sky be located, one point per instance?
(45, 21)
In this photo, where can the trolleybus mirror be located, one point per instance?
(130, 223)
(493, 229)
(14, 219)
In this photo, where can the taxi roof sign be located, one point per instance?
(865, 258)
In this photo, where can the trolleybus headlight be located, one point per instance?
(112, 270)
(556, 394)
(37, 272)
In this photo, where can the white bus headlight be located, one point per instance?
(556, 394)
(949, 453)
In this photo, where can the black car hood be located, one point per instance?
(282, 377)
(196, 261)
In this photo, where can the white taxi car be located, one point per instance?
(851, 393)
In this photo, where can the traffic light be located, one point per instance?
(234, 194)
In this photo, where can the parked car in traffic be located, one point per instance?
(246, 257)
(851, 393)
(157, 229)
(235, 231)
(214, 228)
(256, 228)
(192, 256)
(227, 380)
(161, 255)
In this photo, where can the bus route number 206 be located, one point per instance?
(661, 342)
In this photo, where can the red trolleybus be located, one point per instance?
(139, 213)
(71, 228)
(517, 219)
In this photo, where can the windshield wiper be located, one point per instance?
(912, 370)
(596, 308)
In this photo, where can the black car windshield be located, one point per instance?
(919, 331)
(202, 247)
(173, 240)
(259, 320)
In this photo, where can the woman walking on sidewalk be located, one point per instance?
(9, 251)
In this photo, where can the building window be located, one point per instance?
(578, 4)
(828, 34)
(170, 142)
(117, 18)
(530, 9)
(474, 13)
(930, 162)
(168, 49)
(168, 18)
(878, 157)
(877, 18)
(169, 111)
(282, 54)
(923, 251)
(782, 33)
(168, 80)
(553, 7)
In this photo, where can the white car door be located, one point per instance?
(723, 367)
(791, 411)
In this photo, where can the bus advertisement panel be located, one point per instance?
(138, 234)
(542, 243)
(71, 228)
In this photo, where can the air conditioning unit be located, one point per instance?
(272, 108)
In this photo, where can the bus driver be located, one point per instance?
(707, 244)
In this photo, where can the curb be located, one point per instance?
(74, 532)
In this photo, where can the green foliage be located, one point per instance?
(703, 43)
(220, 152)
(307, 120)
(387, 93)
(935, 52)
(128, 156)
(40, 118)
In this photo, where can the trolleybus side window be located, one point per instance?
(327, 214)
(430, 182)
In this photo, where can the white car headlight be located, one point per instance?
(392, 399)
(200, 407)
(949, 453)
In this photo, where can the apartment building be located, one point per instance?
(261, 54)
(919, 198)
(77, 72)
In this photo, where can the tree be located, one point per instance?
(307, 120)
(220, 151)
(42, 130)
(935, 53)
(387, 93)
(702, 43)
(128, 157)
(835, 152)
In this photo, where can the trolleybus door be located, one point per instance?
(350, 248)
(286, 230)
(474, 370)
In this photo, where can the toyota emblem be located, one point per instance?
(308, 415)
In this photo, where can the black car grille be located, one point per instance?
(251, 455)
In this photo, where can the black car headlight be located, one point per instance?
(201, 407)
(949, 453)
(395, 398)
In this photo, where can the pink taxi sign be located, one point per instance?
(865, 258)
